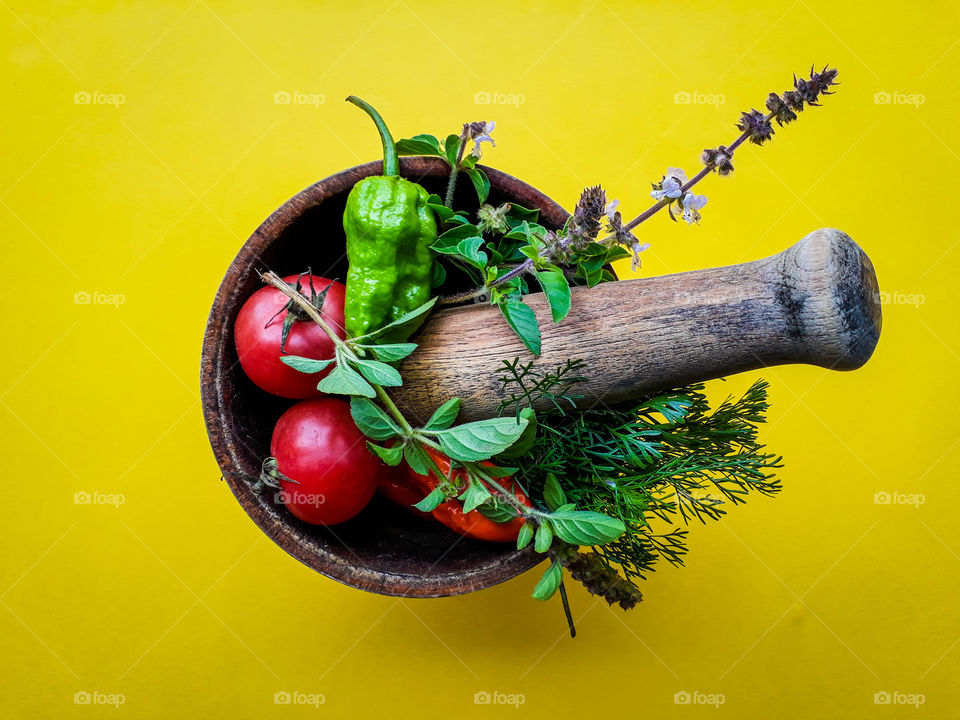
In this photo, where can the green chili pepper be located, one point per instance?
(389, 231)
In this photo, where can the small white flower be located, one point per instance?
(611, 209)
(483, 137)
(691, 205)
(637, 249)
(673, 180)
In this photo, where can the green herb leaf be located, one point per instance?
(443, 213)
(481, 183)
(674, 407)
(470, 250)
(549, 582)
(452, 146)
(517, 214)
(524, 444)
(544, 537)
(552, 493)
(480, 440)
(433, 500)
(618, 252)
(408, 322)
(525, 535)
(497, 510)
(523, 320)
(557, 290)
(458, 233)
(391, 352)
(419, 145)
(378, 373)
(439, 275)
(344, 380)
(475, 495)
(416, 458)
(305, 365)
(444, 416)
(585, 527)
(392, 456)
(372, 420)
(496, 471)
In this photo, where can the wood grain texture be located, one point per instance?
(816, 302)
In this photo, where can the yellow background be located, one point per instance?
(802, 606)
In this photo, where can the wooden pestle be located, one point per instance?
(816, 303)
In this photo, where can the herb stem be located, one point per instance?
(388, 403)
(454, 171)
(522, 510)
(528, 264)
(566, 610)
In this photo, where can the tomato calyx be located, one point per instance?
(294, 312)
(270, 476)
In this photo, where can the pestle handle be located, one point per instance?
(816, 303)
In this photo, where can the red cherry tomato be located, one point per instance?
(258, 330)
(317, 444)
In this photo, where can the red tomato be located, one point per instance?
(317, 444)
(257, 336)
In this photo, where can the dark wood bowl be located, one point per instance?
(385, 549)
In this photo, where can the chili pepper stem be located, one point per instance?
(390, 164)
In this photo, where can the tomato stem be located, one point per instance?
(274, 280)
